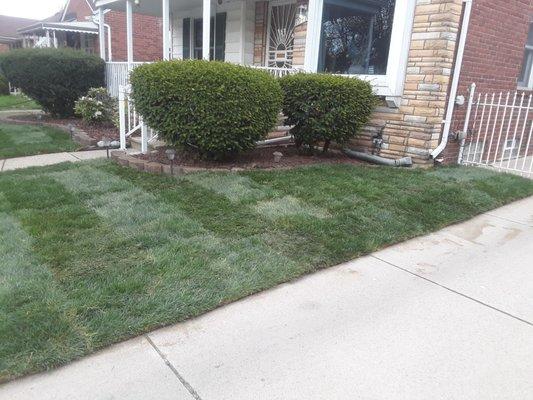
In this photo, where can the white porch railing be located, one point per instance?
(498, 132)
(118, 74)
(13, 89)
(278, 72)
(131, 122)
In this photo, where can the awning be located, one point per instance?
(74, 26)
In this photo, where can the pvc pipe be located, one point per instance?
(401, 162)
(455, 80)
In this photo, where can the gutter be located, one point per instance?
(455, 80)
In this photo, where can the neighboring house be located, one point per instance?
(418, 55)
(498, 58)
(76, 26)
(9, 36)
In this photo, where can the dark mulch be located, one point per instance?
(96, 132)
(258, 158)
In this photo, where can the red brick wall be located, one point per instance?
(4, 48)
(493, 53)
(147, 36)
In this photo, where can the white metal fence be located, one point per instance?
(499, 128)
(118, 74)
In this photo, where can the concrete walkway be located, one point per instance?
(41, 160)
(445, 316)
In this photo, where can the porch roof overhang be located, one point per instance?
(9, 39)
(88, 27)
(145, 7)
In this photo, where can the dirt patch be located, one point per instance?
(262, 158)
(95, 132)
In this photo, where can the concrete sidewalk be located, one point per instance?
(445, 316)
(41, 160)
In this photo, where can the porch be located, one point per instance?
(79, 35)
(352, 38)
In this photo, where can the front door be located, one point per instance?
(192, 38)
(280, 43)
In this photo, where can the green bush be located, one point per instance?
(54, 78)
(326, 108)
(216, 108)
(96, 107)
(4, 86)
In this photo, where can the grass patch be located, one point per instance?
(26, 140)
(93, 253)
(17, 102)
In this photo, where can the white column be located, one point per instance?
(312, 40)
(129, 31)
(206, 27)
(48, 40)
(101, 32)
(166, 29)
(243, 31)
(55, 40)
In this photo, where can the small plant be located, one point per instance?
(326, 108)
(217, 109)
(96, 107)
(54, 78)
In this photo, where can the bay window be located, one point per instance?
(365, 38)
(356, 37)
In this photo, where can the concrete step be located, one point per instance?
(135, 143)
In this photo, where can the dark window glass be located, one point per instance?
(525, 78)
(186, 38)
(217, 31)
(356, 36)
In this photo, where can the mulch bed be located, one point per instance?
(261, 158)
(95, 132)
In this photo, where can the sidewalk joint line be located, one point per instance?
(507, 219)
(454, 291)
(3, 163)
(173, 369)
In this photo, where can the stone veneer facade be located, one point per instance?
(414, 128)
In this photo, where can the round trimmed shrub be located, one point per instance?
(54, 78)
(326, 108)
(4, 86)
(218, 109)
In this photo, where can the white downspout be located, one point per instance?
(109, 46)
(455, 80)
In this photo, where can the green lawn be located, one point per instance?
(26, 140)
(17, 102)
(94, 253)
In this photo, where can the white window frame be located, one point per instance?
(392, 83)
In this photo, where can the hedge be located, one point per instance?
(4, 85)
(326, 108)
(54, 78)
(218, 109)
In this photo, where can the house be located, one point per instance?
(419, 55)
(76, 26)
(9, 36)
